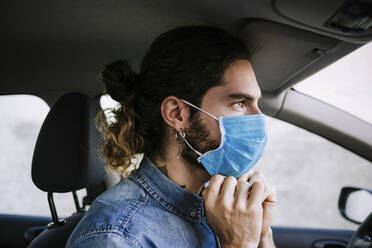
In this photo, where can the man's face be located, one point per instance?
(237, 95)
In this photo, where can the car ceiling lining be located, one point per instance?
(62, 46)
(285, 50)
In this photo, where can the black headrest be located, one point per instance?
(65, 157)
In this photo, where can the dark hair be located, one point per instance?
(184, 62)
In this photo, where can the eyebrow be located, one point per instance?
(242, 95)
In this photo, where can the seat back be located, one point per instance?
(57, 236)
(66, 160)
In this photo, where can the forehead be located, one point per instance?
(238, 78)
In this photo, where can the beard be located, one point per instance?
(198, 137)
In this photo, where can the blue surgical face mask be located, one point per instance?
(243, 139)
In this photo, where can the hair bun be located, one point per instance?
(121, 82)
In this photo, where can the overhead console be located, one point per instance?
(345, 20)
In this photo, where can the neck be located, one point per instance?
(180, 172)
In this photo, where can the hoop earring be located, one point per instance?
(180, 138)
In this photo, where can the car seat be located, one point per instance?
(65, 160)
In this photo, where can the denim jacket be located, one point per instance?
(145, 210)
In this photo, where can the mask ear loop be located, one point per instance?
(180, 138)
(205, 112)
(179, 141)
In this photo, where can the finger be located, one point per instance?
(268, 209)
(267, 216)
(214, 188)
(241, 194)
(256, 194)
(256, 176)
(228, 189)
(270, 193)
(259, 177)
(246, 176)
(271, 197)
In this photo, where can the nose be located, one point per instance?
(255, 109)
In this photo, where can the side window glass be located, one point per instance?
(308, 173)
(21, 120)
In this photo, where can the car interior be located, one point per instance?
(56, 50)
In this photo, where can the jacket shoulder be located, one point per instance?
(110, 213)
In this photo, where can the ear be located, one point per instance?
(175, 113)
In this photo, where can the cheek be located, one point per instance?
(214, 130)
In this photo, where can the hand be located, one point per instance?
(234, 211)
(269, 202)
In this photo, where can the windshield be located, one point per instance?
(346, 84)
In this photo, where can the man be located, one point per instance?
(192, 110)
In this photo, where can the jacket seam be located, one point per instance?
(125, 236)
(126, 217)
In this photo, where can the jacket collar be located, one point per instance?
(170, 195)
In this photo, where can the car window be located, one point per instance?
(308, 172)
(346, 84)
(21, 120)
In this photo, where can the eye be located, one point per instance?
(239, 105)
